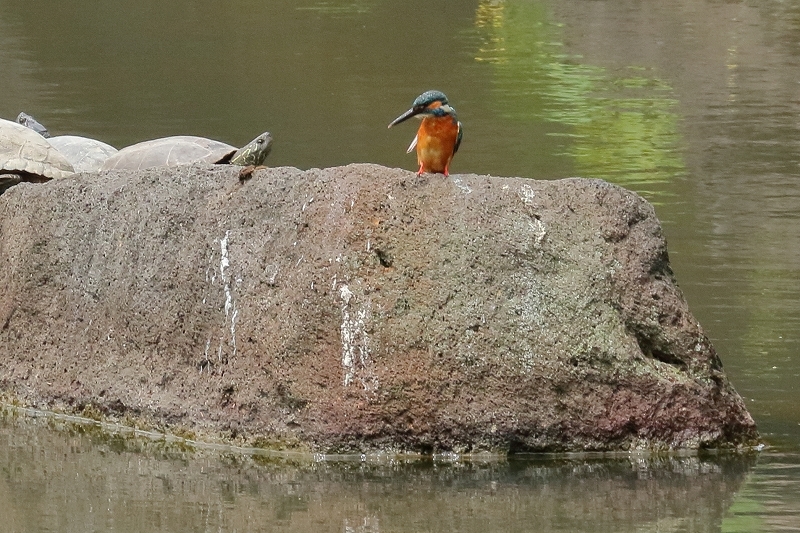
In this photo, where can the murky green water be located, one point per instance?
(694, 104)
(61, 477)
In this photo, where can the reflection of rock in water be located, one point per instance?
(68, 479)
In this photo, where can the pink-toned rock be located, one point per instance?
(358, 308)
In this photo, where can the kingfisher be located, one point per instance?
(439, 135)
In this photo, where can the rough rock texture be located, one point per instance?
(358, 308)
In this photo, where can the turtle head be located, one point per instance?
(255, 152)
(30, 122)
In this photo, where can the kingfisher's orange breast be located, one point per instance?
(436, 141)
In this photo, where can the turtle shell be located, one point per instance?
(85, 154)
(26, 153)
(170, 151)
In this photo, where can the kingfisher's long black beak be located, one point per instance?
(414, 111)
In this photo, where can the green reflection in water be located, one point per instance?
(770, 296)
(743, 516)
(358, 7)
(622, 128)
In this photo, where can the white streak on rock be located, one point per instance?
(538, 230)
(355, 342)
(461, 185)
(205, 355)
(233, 327)
(224, 263)
(272, 272)
(230, 304)
(526, 194)
(345, 294)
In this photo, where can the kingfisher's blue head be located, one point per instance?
(429, 103)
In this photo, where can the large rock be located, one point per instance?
(358, 308)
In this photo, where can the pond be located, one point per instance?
(62, 476)
(694, 104)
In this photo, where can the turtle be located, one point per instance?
(85, 154)
(186, 149)
(27, 156)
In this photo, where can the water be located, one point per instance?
(60, 477)
(694, 104)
